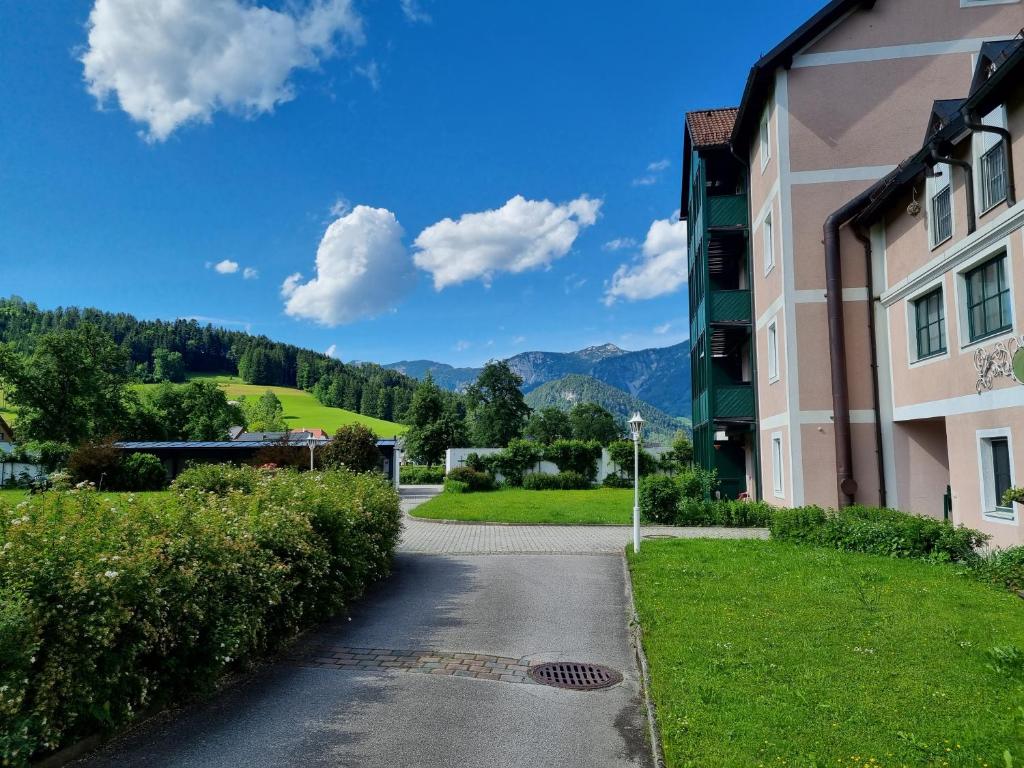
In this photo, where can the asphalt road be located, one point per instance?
(545, 607)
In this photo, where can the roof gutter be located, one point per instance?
(845, 484)
(972, 121)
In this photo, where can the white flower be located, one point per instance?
(111, 574)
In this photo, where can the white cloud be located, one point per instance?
(371, 71)
(462, 345)
(332, 351)
(662, 329)
(659, 166)
(660, 270)
(645, 181)
(519, 340)
(362, 270)
(172, 62)
(226, 267)
(519, 236)
(340, 207)
(250, 273)
(414, 13)
(619, 244)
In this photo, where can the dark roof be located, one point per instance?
(987, 93)
(991, 55)
(761, 79)
(6, 433)
(710, 127)
(295, 437)
(944, 111)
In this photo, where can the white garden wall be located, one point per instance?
(456, 457)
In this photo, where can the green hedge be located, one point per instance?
(727, 513)
(418, 475)
(563, 481)
(109, 607)
(878, 531)
(473, 480)
(1004, 567)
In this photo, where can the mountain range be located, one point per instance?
(659, 376)
(575, 388)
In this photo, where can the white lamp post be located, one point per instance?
(636, 425)
(311, 441)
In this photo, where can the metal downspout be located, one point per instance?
(972, 216)
(865, 240)
(971, 121)
(845, 484)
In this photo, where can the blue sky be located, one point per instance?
(332, 140)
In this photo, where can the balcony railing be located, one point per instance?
(726, 211)
(734, 402)
(730, 306)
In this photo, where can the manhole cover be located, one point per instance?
(574, 675)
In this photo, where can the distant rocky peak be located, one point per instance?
(601, 352)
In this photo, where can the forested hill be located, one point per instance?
(364, 388)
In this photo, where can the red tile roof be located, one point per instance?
(711, 127)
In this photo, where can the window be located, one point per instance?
(777, 485)
(765, 137)
(988, 299)
(940, 204)
(992, 161)
(929, 314)
(769, 244)
(996, 467)
(773, 351)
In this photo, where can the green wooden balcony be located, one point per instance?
(733, 402)
(730, 307)
(726, 211)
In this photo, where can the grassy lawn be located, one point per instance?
(769, 654)
(12, 497)
(301, 409)
(597, 506)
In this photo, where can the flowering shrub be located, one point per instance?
(220, 478)
(109, 606)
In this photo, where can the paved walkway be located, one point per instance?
(432, 537)
(430, 669)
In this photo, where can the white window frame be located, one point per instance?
(913, 360)
(765, 136)
(991, 511)
(932, 188)
(1005, 248)
(778, 468)
(982, 142)
(768, 243)
(772, 343)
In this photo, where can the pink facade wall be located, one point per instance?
(873, 113)
(845, 120)
(919, 21)
(920, 454)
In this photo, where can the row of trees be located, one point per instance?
(492, 414)
(74, 388)
(164, 351)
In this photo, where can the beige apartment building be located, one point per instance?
(843, 407)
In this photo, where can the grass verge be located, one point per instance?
(600, 506)
(769, 654)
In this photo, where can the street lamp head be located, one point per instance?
(311, 441)
(636, 425)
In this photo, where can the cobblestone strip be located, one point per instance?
(475, 665)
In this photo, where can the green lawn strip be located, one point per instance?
(769, 654)
(607, 506)
(301, 409)
(12, 496)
